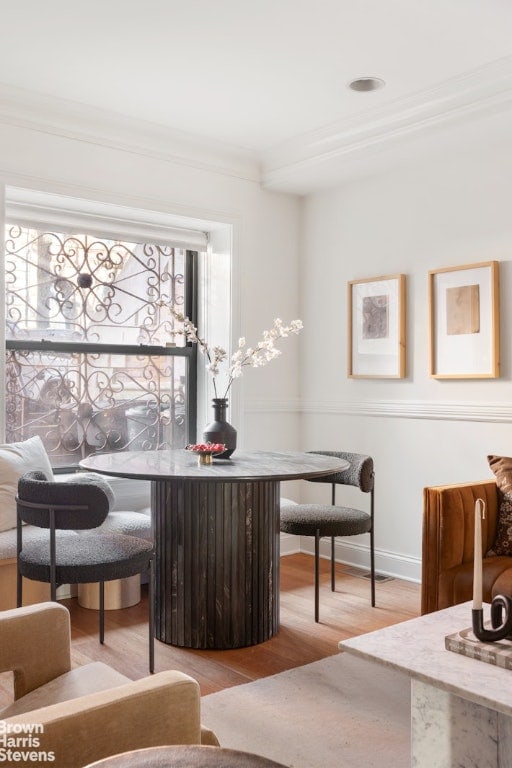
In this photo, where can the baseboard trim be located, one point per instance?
(290, 545)
(358, 556)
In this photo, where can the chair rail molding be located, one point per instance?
(498, 412)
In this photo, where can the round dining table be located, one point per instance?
(216, 532)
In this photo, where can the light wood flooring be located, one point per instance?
(344, 613)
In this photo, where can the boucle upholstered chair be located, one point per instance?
(92, 711)
(58, 559)
(130, 520)
(321, 520)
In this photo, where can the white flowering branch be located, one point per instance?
(264, 351)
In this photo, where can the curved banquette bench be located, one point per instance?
(447, 545)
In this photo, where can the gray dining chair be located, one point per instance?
(59, 558)
(332, 520)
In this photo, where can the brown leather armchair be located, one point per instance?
(447, 546)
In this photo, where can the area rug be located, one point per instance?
(340, 712)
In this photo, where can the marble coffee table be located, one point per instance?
(461, 708)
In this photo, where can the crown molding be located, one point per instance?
(476, 93)
(297, 165)
(26, 109)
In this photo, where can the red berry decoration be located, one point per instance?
(206, 447)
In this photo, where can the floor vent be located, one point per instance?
(366, 574)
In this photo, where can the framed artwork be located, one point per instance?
(464, 322)
(376, 322)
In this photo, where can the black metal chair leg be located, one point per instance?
(317, 574)
(372, 567)
(333, 573)
(151, 600)
(19, 590)
(333, 566)
(102, 612)
(53, 556)
(19, 578)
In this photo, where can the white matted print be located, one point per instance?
(464, 321)
(376, 308)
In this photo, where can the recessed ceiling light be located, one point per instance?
(363, 84)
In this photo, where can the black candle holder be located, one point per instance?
(501, 620)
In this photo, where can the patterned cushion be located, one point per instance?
(502, 468)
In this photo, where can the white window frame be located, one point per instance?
(214, 238)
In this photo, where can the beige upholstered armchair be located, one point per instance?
(81, 715)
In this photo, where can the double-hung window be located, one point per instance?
(92, 364)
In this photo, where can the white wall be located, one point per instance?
(265, 241)
(438, 211)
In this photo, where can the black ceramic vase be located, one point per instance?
(219, 430)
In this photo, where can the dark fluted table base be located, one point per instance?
(216, 539)
(217, 562)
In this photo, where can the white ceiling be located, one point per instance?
(266, 79)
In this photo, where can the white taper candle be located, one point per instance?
(477, 568)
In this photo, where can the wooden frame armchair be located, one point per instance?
(90, 712)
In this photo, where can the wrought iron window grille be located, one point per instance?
(92, 361)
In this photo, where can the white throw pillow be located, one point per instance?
(15, 460)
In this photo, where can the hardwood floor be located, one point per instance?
(344, 613)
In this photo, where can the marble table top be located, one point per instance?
(243, 465)
(417, 647)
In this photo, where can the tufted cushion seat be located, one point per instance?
(306, 519)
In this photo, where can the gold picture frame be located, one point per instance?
(376, 323)
(464, 324)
